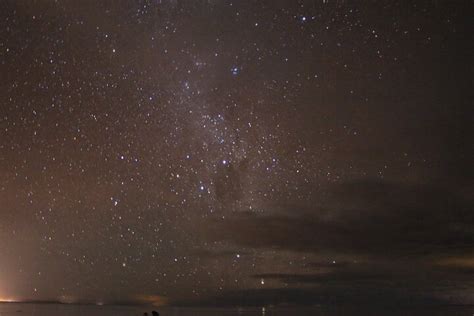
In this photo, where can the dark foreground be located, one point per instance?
(9, 309)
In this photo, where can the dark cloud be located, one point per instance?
(411, 277)
(412, 241)
(214, 254)
(316, 296)
(366, 217)
(376, 284)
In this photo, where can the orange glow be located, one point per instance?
(7, 299)
(154, 300)
(466, 262)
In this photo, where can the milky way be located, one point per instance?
(235, 152)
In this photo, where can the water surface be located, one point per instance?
(20, 309)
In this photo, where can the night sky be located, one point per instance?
(236, 152)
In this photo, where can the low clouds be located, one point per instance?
(412, 239)
(366, 217)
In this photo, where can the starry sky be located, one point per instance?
(236, 152)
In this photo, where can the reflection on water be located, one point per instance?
(18, 309)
